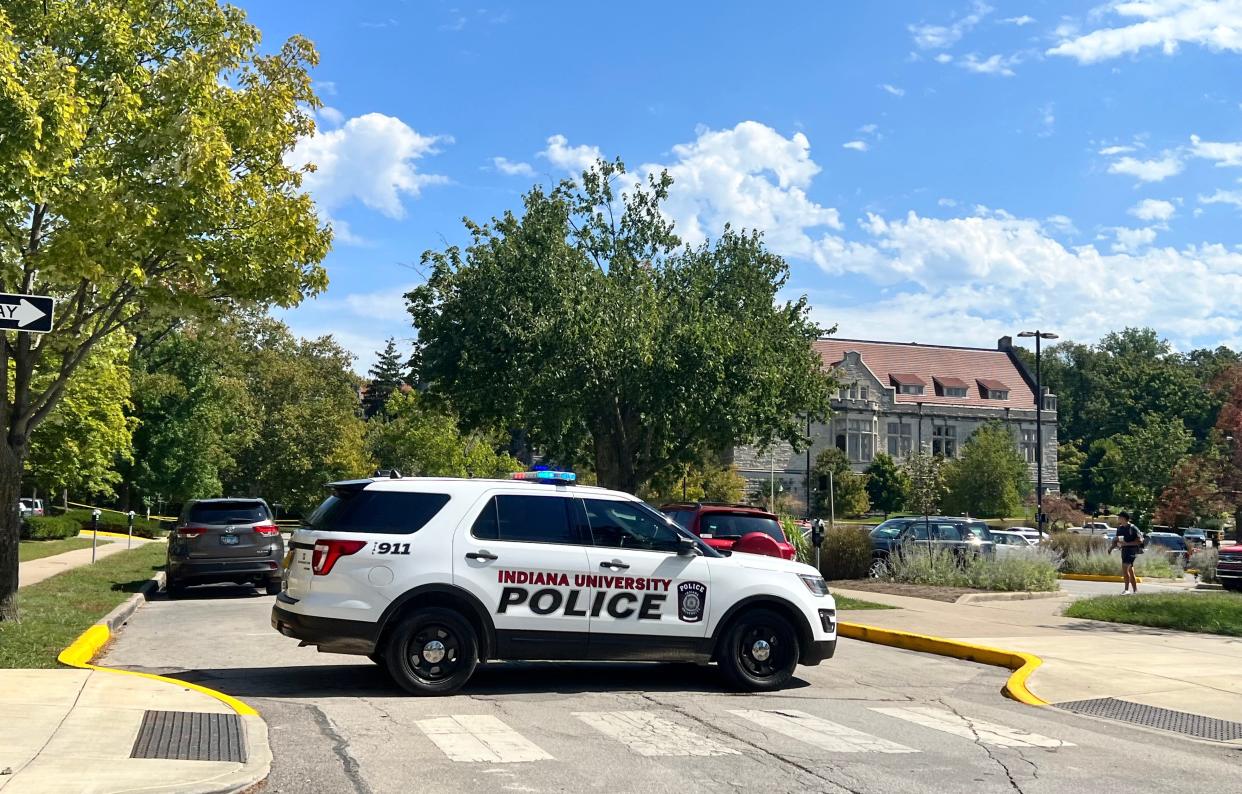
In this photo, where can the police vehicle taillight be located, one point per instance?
(545, 475)
(327, 552)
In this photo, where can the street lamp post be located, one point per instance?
(1039, 429)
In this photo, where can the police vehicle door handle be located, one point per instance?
(481, 555)
(617, 564)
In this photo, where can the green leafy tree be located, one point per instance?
(143, 174)
(886, 484)
(585, 325)
(848, 490)
(1192, 494)
(422, 441)
(1071, 462)
(925, 475)
(990, 479)
(1137, 465)
(387, 377)
(77, 448)
(704, 482)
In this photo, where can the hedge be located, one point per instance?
(49, 528)
(116, 522)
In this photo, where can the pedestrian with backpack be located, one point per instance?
(1130, 540)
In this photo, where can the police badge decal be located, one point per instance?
(691, 597)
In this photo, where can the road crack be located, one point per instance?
(340, 747)
(978, 740)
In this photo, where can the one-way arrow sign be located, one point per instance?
(29, 313)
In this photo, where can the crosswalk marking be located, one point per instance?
(986, 732)
(821, 733)
(649, 734)
(480, 737)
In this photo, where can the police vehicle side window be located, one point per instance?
(623, 525)
(382, 512)
(526, 519)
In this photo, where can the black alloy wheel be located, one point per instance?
(760, 651)
(432, 652)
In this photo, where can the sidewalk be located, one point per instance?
(40, 569)
(77, 731)
(1083, 659)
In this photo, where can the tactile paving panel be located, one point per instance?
(1152, 717)
(190, 736)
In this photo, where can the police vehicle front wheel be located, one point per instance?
(432, 652)
(760, 651)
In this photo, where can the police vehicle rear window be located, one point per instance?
(381, 512)
(526, 519)
(239, 512)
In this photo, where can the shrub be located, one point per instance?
(1155, 565)
(846, 553)
(1063, 544)
(1204, 561)
(49, 528)
(801, 542)
(111, 521)
(1036, 571)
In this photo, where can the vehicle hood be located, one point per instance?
(1234, 549)
(762, 562)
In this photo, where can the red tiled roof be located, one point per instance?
(950, 383)
(907, 379)
(928, 362)
(993, 385)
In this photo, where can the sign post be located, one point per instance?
(130, 543)
(94, 533)
(31, 314)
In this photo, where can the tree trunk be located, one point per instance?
(10, 526)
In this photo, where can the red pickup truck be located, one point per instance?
(731, 527)
(1229, 567)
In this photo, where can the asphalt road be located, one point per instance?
(873, 719)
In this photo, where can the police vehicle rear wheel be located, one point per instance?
(432, 652)
(760, 651)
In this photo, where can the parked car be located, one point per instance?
(733, 527)
(1229, 567)
(1012, 544)
(1170, 544)
(1094, 528)
(1195, 537)
(897, 535)
(1030, 533)
(29, 507)
(225, 540)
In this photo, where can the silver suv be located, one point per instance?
(225, 540)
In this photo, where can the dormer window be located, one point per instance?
(906, 383)
(993, 390)
(950, 387)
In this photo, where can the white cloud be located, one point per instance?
(330, 116)
(939, 37)
(892, 89)
(510, 168)
(1020, 21)
(1214, 24)
(944, 57)
(1232, 197)
(324, 87)
(1225, 154)
(1129, 239)
(1061, 224)
(994, 64)
(1109, 151)
(946, 202)
(371, 160)
(574, 159)
(1047, 119)
(1169, 164)
(858, 146)
(868, 129)
(1153, 210)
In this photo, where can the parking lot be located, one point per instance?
(873, 719)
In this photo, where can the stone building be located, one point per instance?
(899, 397)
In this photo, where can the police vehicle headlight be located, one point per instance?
(815, 584)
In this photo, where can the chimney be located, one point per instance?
(1004, 343)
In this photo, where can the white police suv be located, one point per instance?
(430, 576)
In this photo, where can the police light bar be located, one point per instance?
(545, 475)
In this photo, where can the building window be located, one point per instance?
(862, 392)
(954, 391)
(908, 388)
(1028, 445)
(844, 393)
(997, 394)
(861, 447)
(899, 439)
(944, 441)
(1050, 402)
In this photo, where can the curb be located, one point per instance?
(974, 598)
(88, 644)
(1093, 577)
(86, 533)
(1022, 664)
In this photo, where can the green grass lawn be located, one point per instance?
(55, 611)
(845, 602)
(1210, 613)
(36, 549)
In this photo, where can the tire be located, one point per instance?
(174, 588)
(272, 587)
(1232, 585)
(404, 655)
(878, 569)
(378, 658)
(741, 656)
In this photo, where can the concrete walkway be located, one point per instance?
(77, 730)
(1083, 659)
(45, 567)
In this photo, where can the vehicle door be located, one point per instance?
(524, 556)
(1007, 545)
(644, 588)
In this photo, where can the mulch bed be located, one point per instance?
(947, 594)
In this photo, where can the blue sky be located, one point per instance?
(933, 171)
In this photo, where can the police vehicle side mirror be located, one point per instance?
(686, 546)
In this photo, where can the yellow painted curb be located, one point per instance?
(86, 533)
(1093, 577)
(1022, 664)
(83, 649)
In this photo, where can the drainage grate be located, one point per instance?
(190, 736)
(1152, 717)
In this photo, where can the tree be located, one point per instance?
(848, 490)
(1192, 493)
(425, 442)
(703, 482)
(386, 378)
(142, 175)
(886, 484)
(585, 326)
(925, 475)
(990, 479)
(1063, 512)
(1138, 464)
(1071, 461)
(89, 432)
